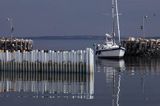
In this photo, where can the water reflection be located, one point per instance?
(145, 70)
(143, 65)
(47, 84)
(113, 70)
(110, 67)
(132, 79)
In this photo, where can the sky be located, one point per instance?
(77, 17)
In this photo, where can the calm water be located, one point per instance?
(127, 82)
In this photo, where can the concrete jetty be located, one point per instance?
(141, 47)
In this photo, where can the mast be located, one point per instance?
(117, 17)
(113, 18)
(113, 21)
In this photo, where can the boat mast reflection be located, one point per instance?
(49, 84)
(113, 70)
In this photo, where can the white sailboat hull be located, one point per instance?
(111, 53)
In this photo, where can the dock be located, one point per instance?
(141, 47)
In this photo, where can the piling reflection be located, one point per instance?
(51, 84)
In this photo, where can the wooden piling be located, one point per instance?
(58, 61)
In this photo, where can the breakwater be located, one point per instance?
(15, 44)
(141, 47)
(40, 60)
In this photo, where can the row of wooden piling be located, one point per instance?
(64, 67)
(58, 61)
(141, 47)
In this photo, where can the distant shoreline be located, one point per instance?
(79, 37)
(76, 37)
(67, 37)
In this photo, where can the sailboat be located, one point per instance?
(109, 49)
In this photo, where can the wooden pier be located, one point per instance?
(15, 44)
(141, 47)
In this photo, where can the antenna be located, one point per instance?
(143, 25)
(11, 26)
